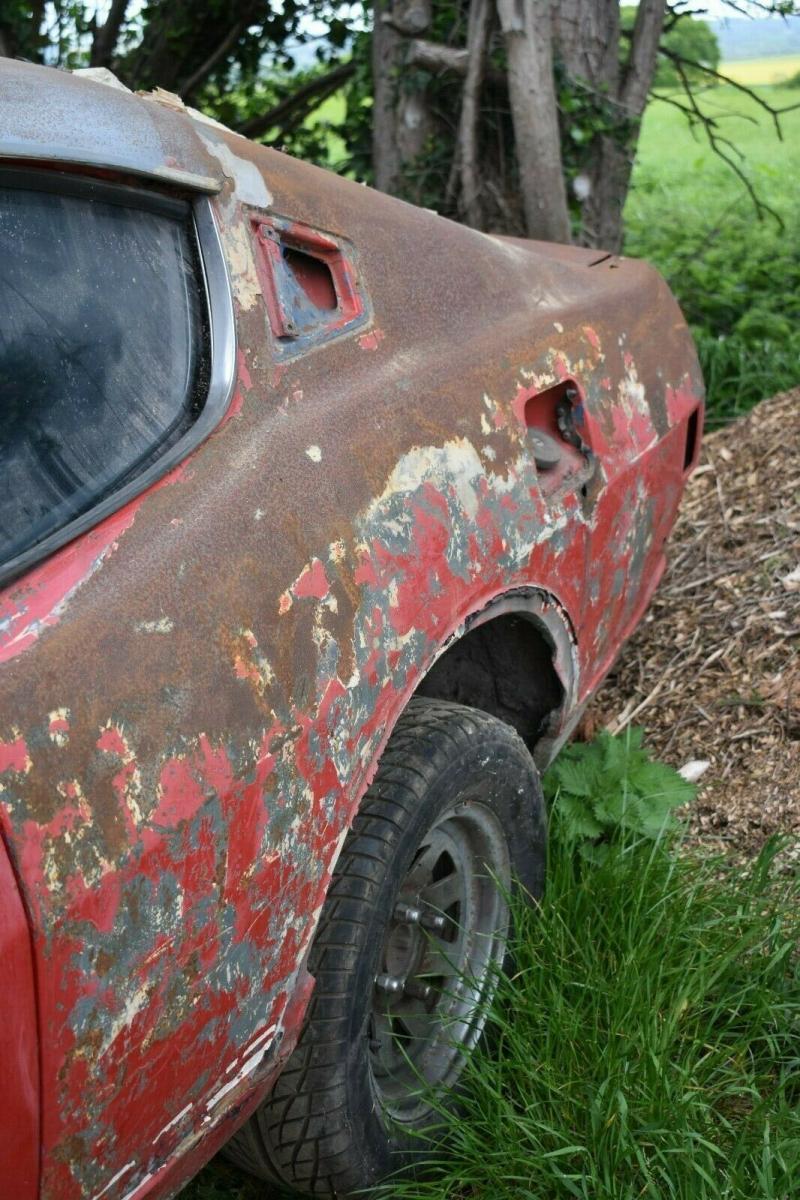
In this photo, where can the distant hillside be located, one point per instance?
(739, 37)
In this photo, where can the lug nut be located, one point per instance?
(390, 984)
(436, 922)
(407, 914)
(421, 991)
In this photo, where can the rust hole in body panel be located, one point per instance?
(314, 277)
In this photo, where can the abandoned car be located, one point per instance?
(322, 517)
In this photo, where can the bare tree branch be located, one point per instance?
(436, 58)
(296, 106)
(723, 147)
(775, 8)
(775, 113)
(202, 73)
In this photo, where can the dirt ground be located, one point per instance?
(713, 673)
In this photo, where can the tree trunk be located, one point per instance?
(386, 62)
(401, 118)
(586, 41)
(480, 16)
(526, 26)
(587, 37)
(105, 38)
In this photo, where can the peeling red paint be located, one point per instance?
(14, 756)
(312, 582)
(372, 339)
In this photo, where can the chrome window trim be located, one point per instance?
(221, 349)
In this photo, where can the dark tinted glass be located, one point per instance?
(100, 345)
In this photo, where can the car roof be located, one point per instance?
(53, 116)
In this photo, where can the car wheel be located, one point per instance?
(412, 934)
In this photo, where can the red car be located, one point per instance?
(321, 518)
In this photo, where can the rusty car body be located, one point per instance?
(411, 431)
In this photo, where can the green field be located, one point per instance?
(736, 276)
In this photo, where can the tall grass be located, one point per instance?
(647, 1043)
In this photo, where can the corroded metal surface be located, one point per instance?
(194, 695)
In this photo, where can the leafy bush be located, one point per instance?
(607, 790)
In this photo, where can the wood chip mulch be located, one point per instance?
(713, 672)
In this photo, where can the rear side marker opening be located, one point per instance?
(690, 449)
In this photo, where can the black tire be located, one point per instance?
(340, 1117)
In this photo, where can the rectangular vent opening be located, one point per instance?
(690, 450)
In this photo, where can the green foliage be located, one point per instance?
(646, 1046)
(607, 790)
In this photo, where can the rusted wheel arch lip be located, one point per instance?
(548, 615)
(221, 351)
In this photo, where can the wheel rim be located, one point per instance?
(444, 945)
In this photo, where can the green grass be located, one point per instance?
(737, 277)
(647, 1044)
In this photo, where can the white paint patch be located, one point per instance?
(133, 1005)
(558, 326)
(314, 453)
(171, 1124)
(136, 1190)
(58, 736)
(247, 1068)
(250, 185)
(101, 75)
(454, 463)
(128, 1167)
(162, 625)
(259, 514)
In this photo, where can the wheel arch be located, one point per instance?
(516, 659)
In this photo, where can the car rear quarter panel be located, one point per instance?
(194, 694)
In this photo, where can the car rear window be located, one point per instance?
(101, 350)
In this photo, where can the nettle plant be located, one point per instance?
(608, 791)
